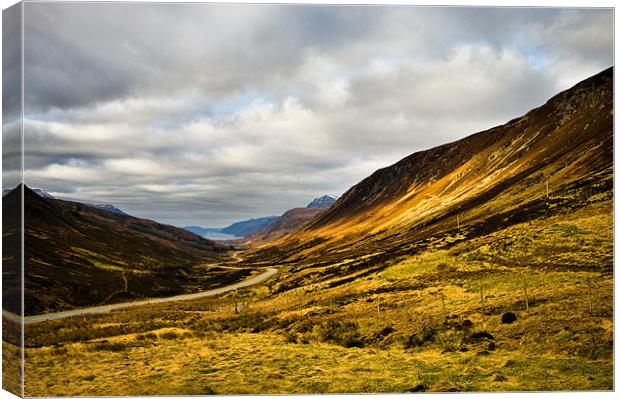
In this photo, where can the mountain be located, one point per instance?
(323, 202)
(78, 255)
(107, 207)
(249, 227)
(269, 227)
(38, 191)
(45, 194)
(289, 221)
(272, 227)
(556, 158)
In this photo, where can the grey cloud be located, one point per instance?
(206, 114)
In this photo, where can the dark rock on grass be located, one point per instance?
(385, 332)
(354, 343)
(467, 324)
(491, 346)
(417, 340)
(509, 317)
(483, 353)
(481, 335)
(418, 388)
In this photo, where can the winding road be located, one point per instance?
(269, 271)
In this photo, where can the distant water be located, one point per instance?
(220, 236)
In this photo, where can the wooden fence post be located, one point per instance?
(527, 304)
(443, 307)
(590, 295)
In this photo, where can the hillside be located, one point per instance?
(289, 221)
(484, 182)
(77, 255)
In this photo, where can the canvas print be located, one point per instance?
(291, 199)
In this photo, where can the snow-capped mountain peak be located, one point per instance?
(322, 202)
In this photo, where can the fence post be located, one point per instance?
(590, 295)
(443, 307)
(527, 304)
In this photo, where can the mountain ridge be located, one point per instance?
(43, 193)
(471, 178)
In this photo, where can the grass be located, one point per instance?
(343, 329)
(266, 363)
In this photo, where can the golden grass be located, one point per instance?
(11, 368)
(265, 363)
(296, 341)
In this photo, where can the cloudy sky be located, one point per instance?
(208, 114)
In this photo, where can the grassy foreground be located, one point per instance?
(431, 321)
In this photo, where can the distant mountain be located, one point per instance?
(45, 194)
(201, 231)
(323, 202)
(107, 207)
(249, 227)
(289, 221)
(556, 158)
(269, 227)
(79, 255)
(38, 191)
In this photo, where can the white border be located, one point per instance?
(483, 3)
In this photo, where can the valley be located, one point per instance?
(485, 264)
(78, 256)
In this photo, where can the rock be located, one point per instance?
(481, 335)
(467, 324)
(418, 388)
(491, 346)
(385, 332)
(508, 318)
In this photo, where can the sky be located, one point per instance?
(207, 114)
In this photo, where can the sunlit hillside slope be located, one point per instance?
(555, 158)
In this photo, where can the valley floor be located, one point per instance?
(419, 324)
(241, 363)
